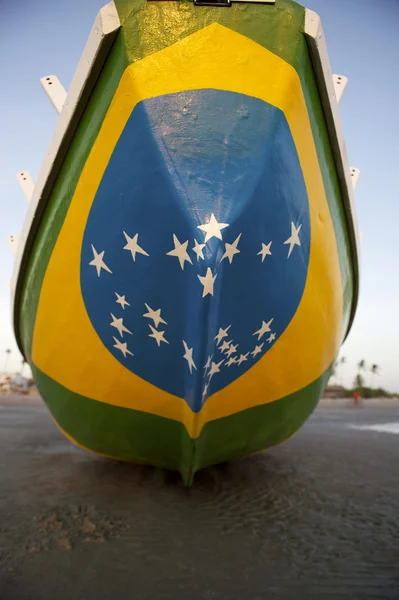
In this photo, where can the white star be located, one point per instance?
(222, 334)
(157, 335)
(205, 390)
(180, 251)
(207, 281)
(208, 362)
(118, 324)
(215, 368)
(265, 251)
(133, 246)
(225, 346)
(212, 228)
(189, 357)
(271, 338)
(294, 239)
(232, 349)
(242, 358)
(257, 350)
(155, 315)
(98, 261)
(121, 300)
(198, 250)
(265, 327)
(122, 346)
(231, 250)
(232, 360)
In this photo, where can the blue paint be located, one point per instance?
(180, 158)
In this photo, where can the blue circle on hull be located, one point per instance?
(196, 248)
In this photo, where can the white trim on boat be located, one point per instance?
(27, 184)
(355, 173)
(55, 91)
(340, 82)
(13, 242)
(324, 79)
(98, 45)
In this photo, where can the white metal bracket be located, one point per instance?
(354, 176)
(13, 241)
(339, 82)
(27, 184)
(55, 91)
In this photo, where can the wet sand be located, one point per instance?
(317, 517)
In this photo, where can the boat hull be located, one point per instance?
(191, 280)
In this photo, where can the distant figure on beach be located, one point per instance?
(356, 398)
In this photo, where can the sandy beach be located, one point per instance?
(317, 517)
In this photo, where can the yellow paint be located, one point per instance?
(66, 346)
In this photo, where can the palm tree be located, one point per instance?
(8, 352)
(359, 381)
(374, 371)
(361, 365)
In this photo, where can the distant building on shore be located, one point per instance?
(334, 391)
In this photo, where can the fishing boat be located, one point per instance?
(188, 267)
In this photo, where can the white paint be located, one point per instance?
(180, 252)
(121, 300)
(379, 427)
(198, 249)
(13, 242)
(208, 281)
(225, 346)
(242, 358)
(132, 245)
(215, 368)
(188, 356)
(118, 324)
(232, 360)
(99, 43)
(257, 350)
(98, 261)
(293, 240)
(264, 328)
(355, 173)
(222, 333)
(340, 83)
(55, 91)
(155, 315)
(27, 184)
(265, 251)
(212, 228)
(157, 335)
(230, 250)
(319, 55)
(232, 349)
(122, 346)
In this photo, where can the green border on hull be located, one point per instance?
(84, 418)
(144, 438)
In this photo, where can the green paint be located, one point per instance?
(139, 437)
(147, 28)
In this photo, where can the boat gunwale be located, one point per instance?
(324, 80)
(97, 48)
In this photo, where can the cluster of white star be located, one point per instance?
(229, 349)
(226, 347)
(155, 315)
(212, 229)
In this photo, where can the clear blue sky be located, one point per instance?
(46, 37)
